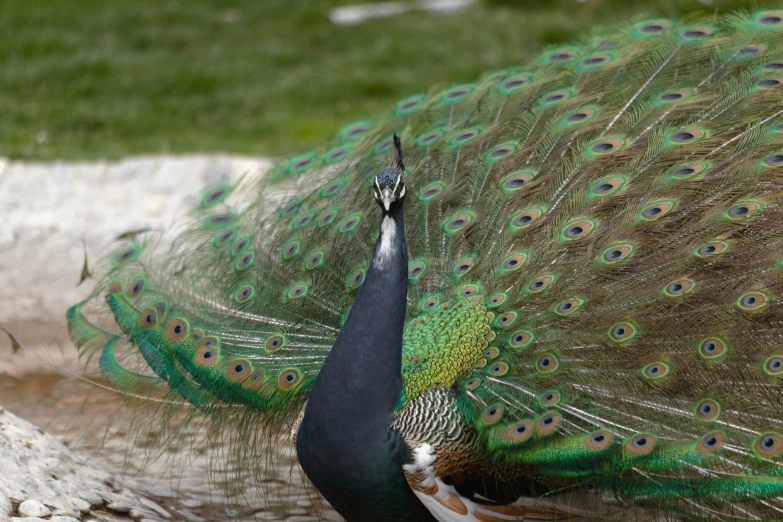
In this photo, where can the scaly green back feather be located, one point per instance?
(595, 248)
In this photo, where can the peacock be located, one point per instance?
(550, 294)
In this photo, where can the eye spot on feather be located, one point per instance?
(696, 33)
(176, 330)
(770, 18)
(595, 61)
(673, 96)
(555, 97)
(688, 171)
(743, 210)
(769, 83)
(238, 370)
(491, 353)
(498, 369)
(126, 255)
(520, 431)
(428, 138)
(656, 371)
(148, 318)
(215, 194)
(430, 191)
(289, 379)
(409, 105)
(354, 130)
(416, 270)
(349, 223)
(467, 290)
(753, 301)
(711, 442)
(383, 145)
(641, 444)
(326, 218)
(462, 267)
(206, 352)
(775, 160)
(472, 384)
(291, 249)
(457, 93)
(656, 210)
(337, 154)
(430, 303)
(332, 188)
(240, 246)
(547, 363)
(303, 220)
(607, 186)
(160, 308)
(493, 414)
(689, 135)
(773, 66)
(297, 291)
(549, 398)
(245, 260)
(599, 440)
(521, 339)
(525, 219)
(464, 136)
(226, 236)
(274, 343)
(301, 163)
(517, 180)
(220, 220)
(607, 146)
(623, 332)
(500, 152)
(245, 293)
(654, 28)
(458, 223)
(548, 423)
(513, 262)
(513, 84)
(506, 319)
(540, 284)
(561, 56)
(315, 260)
(496, 300)
(577, 229)
(707, 410)
(115, 288)
(580, 116)
(713, 348)
(774, 365)
(768, 445)
(617, 253)
(569, 307)
(679, 287)
(713, 248)
(291, 207)
(356, 279)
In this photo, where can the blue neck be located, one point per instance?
(363, 372)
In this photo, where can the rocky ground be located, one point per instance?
(87, 463)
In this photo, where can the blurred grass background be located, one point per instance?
(90, 79)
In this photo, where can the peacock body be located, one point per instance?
(580, 315)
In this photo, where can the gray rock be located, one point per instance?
(93, 498)
(63, 519)
(26, 519)
(5, 505)
(82, 505)
(119, 506)
(33, 508)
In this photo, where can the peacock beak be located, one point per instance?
(387, 196)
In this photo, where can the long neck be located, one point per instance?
(363, 372)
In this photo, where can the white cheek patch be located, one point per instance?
(388, 236)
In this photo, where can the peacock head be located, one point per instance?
(389, 187)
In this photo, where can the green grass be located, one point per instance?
(84, 79)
